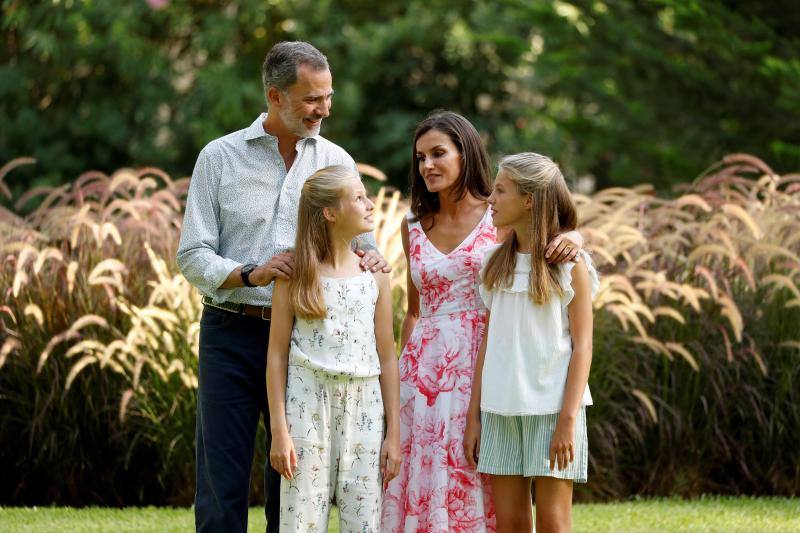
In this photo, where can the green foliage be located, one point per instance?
(648, 91)
(624, 91)
(110, 84)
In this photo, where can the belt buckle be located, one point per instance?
(263, 307)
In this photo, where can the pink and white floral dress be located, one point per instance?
(436, 490)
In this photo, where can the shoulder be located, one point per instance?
(576, 283)
(209, 162)
(214, 151)
(334, 153)
(488, 233)
(580, 277)
(211, 151)
(579, 273)
(411, 221)
(405, 232)
(382, 280)
(381, 277)
(226, 142)
(280, 290)
(489, 251)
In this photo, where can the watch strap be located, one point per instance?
(246, 270)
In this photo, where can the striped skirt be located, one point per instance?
(520, 446)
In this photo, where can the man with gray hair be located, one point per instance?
(238, 232)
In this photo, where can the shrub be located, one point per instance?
(697, 332)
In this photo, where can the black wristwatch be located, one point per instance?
(246, 269)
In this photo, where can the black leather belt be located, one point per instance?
(258, 311)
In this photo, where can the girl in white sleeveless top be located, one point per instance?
(332, 376)
(526, 421)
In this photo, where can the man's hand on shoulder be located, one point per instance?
(280, 266)
(373, 261)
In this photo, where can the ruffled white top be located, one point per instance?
(529, 346)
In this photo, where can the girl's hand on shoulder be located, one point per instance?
(282, 455)
(390, 458)
(472, 440)
(562, 445)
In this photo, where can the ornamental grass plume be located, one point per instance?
(697, 334)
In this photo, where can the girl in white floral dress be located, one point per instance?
(332, 375)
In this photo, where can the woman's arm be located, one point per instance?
(390, 378)
(472, 433)
(564, 247)
(282, 455)
(412, 295)
(580, 329)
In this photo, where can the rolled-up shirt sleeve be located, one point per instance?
(198, 251)
(366, 241)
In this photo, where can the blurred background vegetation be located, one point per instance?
(696, 376)
(695, 373)
(621, 91)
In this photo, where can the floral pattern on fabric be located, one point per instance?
(344, 342)
(436, 490)
(336, 425)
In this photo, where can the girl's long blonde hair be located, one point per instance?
(323, 189)
(553, 212)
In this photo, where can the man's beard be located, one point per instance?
(296, 125)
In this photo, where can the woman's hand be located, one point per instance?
(390, 458)
(282, 456)
(472, 440)
(562, 445)
(564, 247)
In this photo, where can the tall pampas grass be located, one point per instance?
(697, 337)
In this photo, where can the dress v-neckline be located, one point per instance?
(451, 252)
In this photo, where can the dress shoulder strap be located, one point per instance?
(411, 219)
(487, 217)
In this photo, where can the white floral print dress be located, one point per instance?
(334, 412)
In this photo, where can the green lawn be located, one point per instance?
(705, 514)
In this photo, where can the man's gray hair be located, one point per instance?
(280, 65)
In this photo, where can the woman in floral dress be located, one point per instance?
(444, 236)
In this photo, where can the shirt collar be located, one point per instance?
(256, 130)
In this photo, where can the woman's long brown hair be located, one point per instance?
(475, 169)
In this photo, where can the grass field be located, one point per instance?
(705, 514)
